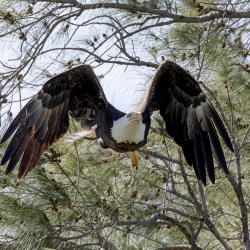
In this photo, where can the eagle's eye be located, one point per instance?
(128, 115)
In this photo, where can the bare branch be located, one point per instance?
(212, 15)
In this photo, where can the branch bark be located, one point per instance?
(211, 15)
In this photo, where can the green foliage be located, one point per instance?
(83, 197)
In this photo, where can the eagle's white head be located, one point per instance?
(129, 128)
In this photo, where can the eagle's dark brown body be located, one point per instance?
(104, 131)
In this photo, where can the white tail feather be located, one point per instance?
(90, 134)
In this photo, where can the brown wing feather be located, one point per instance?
(40, 149)
(27, 157)
(45, 118)
(188, 116)
(19, 151)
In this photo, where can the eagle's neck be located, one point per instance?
(124, 131)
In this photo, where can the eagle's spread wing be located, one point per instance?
(189, 118)
(45, 118)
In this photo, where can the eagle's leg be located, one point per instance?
(134, 157)
(113, 155)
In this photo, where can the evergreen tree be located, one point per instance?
(83, 197)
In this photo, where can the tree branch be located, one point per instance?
(212, 15)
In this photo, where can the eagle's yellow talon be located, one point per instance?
(134, 157)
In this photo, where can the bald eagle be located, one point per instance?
(188, 115)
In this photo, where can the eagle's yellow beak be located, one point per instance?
(136, 116)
